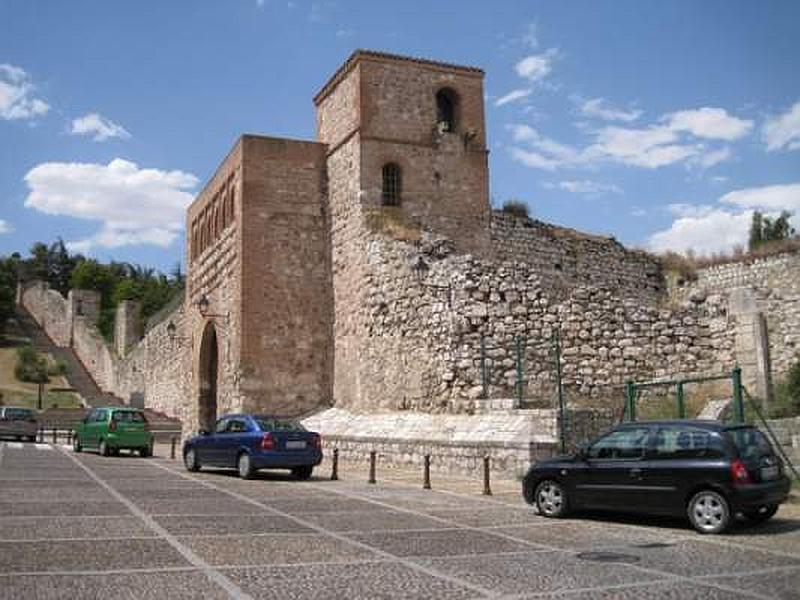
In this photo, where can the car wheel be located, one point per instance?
(763, 513)
(146, 452)
(246, 470)
(709, 512)
(76, 444)
(551, 499)
(190, 461)
(303, 472)
(31, 439)
(104, 449)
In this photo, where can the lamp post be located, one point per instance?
(203, 305)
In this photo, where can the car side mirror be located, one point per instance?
(204, 432)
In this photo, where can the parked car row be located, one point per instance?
(705, 470)
(243, 442)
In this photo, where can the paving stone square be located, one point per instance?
(172, 585)
(332, 582)
(269, 549)
(21, 557)
(51, 528)
(79, 526)
(230, 525)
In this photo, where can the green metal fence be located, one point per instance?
(634, 389)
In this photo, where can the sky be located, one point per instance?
(663, 124)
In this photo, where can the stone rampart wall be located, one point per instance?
(157, 370)
(95, 354)
(775, 284)
(50, 310)
(425, 331)
(154, 373)
(566, 258)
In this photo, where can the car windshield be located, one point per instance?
(750, 442)
(127, 416)
(274, 424)
(18, 414)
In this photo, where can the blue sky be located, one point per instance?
(663, 124)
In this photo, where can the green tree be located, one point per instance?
(8, 288)
(31, 366)
(764, 229)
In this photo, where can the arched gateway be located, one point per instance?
(208, 372)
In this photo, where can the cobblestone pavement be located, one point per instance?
(84, 526)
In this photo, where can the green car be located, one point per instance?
(111, 429)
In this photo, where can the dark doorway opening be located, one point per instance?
(209, 369)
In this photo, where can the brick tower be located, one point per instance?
(406, 141)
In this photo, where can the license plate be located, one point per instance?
(768, 473)
(295, 445)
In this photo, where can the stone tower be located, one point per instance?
(406, 143)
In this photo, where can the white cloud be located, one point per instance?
(599, 107)
(768, 198)
(716, 231)
(5, 227)
(714, 157)
(706, 229)
(103, 129)
(536, 67)
(530, 36)
(583, 187)
(666, 143)
(513, 96)
(711, 123)
(134, 206)
(783, 131)
(16, 95)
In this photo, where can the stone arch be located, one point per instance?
(208, 378)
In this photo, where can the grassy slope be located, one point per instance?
(19, 393)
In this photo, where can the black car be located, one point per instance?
(706, 470)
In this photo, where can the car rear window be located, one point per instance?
(677, 441)
(750, 442)
(18, 414)
(272, 424)
(127, 416)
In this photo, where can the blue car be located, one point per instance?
(252, 442)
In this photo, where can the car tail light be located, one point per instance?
(112, 426)
(739, 473)
(268, 442)
(316, 442)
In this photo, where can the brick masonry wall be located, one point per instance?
(287, 352)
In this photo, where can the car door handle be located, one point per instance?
(636, 472)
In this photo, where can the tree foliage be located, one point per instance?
(115, 281)
(764, 230)
(31, 366)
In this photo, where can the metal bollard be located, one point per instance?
(172, 443)
(69, 437)
(40, 436)
(372, 456)
(335, 465)
(487, 490)
(426, 478)
(55, 435)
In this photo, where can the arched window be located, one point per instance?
(446, 102)
(392, 184)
